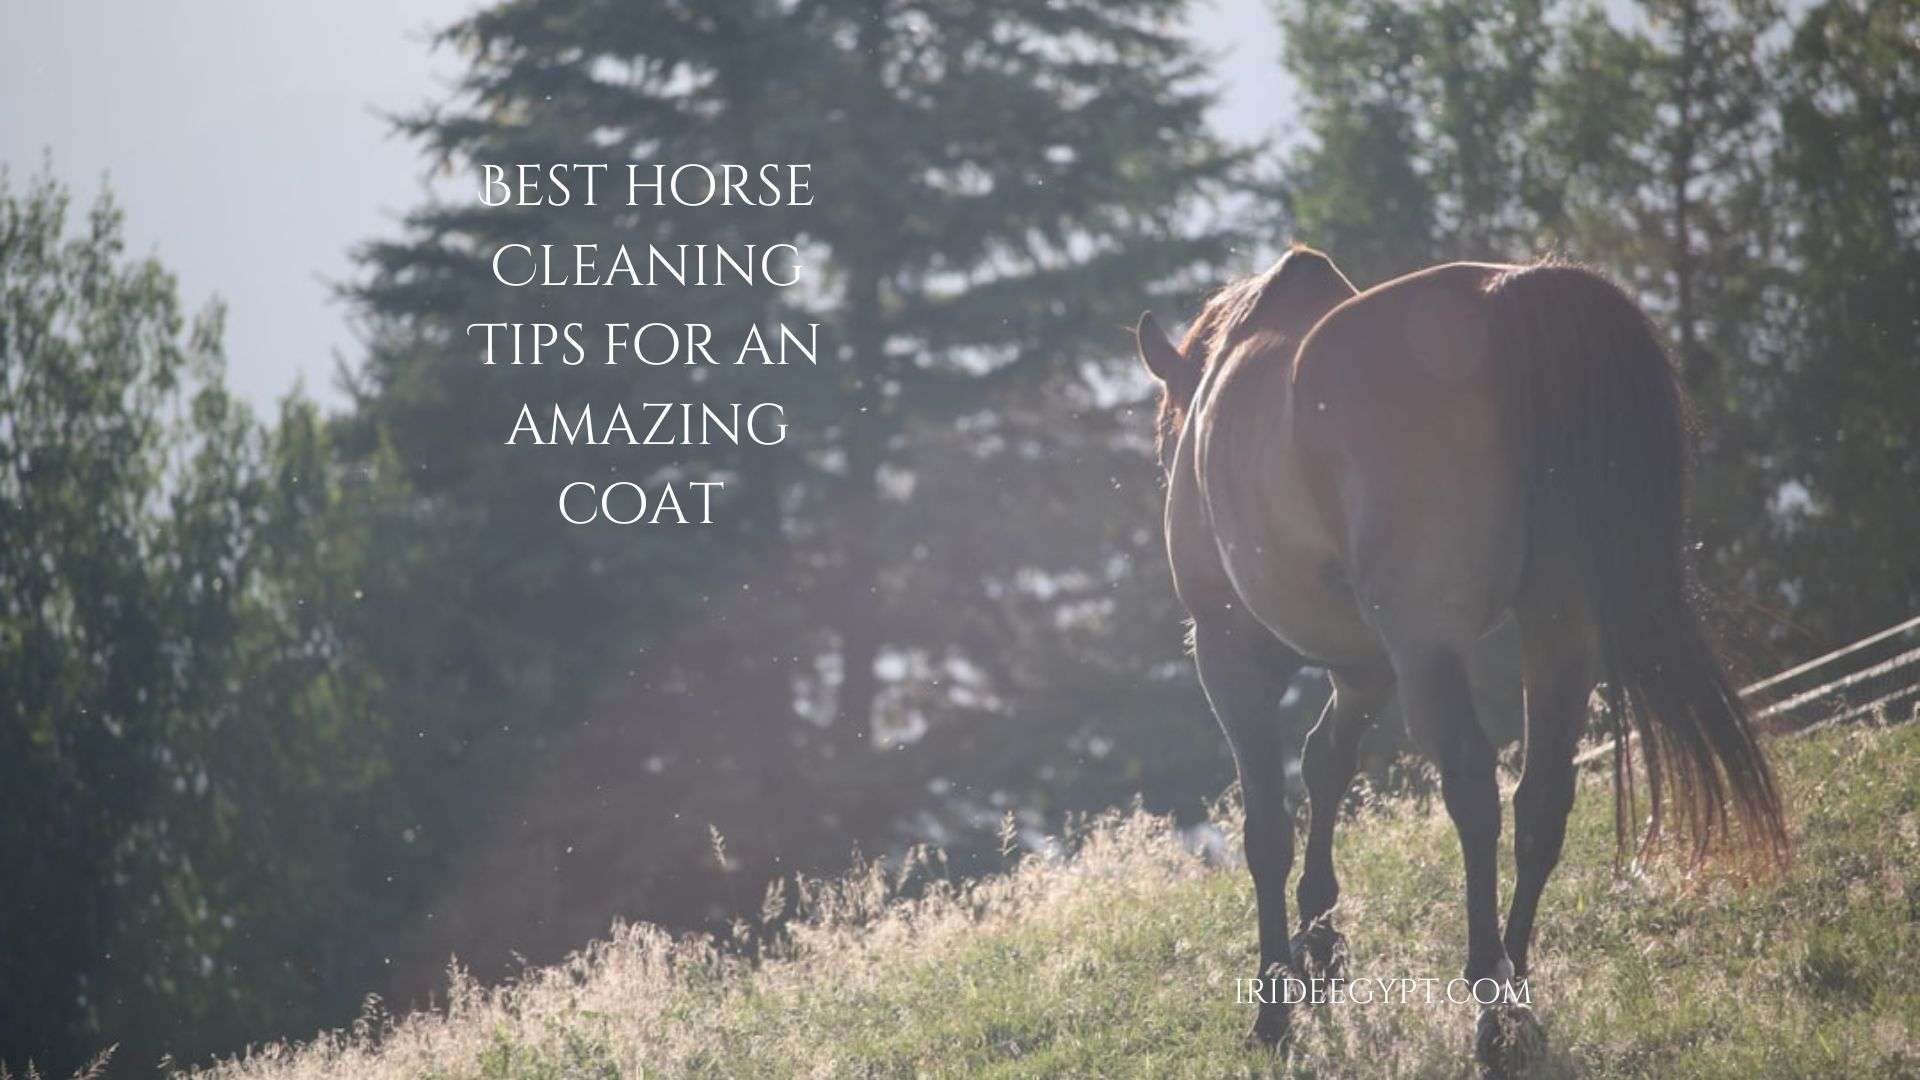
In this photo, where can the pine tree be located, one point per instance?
(512, 639)
(999, 189)
(1012, 182)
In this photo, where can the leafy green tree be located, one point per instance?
(1420, 128)
(126, 473)
(1846, 453)
(1702, 247)
(180, 712)
(1357, 186)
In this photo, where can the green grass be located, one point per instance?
(1121, 961)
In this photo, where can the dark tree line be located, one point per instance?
(295, 707)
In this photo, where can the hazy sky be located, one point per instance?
(235, 130)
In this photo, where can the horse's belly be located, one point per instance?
(1305, 602)
(1285, 563)
(1329, 632)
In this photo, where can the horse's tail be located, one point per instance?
(1606, 429)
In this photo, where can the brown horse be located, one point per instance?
(1369, 482)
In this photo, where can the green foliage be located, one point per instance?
(126, 474)
(1843, 413)
(1424, 142)
(179, 710)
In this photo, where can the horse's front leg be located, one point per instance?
(1331, 759)
(1245, 670)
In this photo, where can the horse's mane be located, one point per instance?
(1230, 313)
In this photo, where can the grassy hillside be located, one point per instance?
(1121, 961)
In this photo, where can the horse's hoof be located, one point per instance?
(1320, 951)
(1271, 1030)
(1508, 1041)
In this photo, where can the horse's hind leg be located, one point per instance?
(1331, 759)
(1557, 655)
(1431, 574)
(1439, 706)
(1431, 577)
(1245, 670)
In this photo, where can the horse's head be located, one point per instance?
(1289, 297)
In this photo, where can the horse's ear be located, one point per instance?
(1156, 349)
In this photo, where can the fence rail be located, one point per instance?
(1830, 689)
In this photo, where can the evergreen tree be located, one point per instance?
(1012, 181)
(1704, 252)
(507, 630)
(999, 188)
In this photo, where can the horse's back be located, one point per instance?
(1405, 404)
(1423, 333)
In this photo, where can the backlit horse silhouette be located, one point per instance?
(1368, 482)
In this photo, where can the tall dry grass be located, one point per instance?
(1117, 955)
